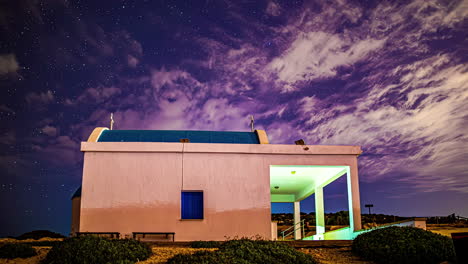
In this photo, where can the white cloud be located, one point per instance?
(457, 14)
(50, 130)
(8, 64)
(308, 104)
(6, 109)
(132, 61)
(281, 111)
(282, 133)
(94, 95)
(61, 151)
(40, 98)
(421, 135)
(174, 104)
(164, 77)
(273, 9)
(432, 14)
(318, 54)
(8, 138)
(221, 114)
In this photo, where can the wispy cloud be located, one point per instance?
(273, 9)
(49, 130)
(8, 64)
(317, 55)
(40, 98)
(418, 133)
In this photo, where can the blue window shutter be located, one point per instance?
(192, 205)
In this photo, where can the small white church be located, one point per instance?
(205, 185)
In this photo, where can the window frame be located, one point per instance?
(202, 203)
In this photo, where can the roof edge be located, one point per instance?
(94, 137)
(219, 148)
(262, 136)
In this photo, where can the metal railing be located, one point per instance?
(286, 232)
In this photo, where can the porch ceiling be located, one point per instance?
(292, 183)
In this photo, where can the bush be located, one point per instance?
(38, 234)
(245, 251)
(16, 250)
(404, 245)
(205, 244)
(93, 249)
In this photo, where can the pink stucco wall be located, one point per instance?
(136, 187)
(75, 222)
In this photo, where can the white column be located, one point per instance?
(354, 202)
(297, 220)
(319, 214)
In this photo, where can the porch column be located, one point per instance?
(297, 220)
(354, 202)
(319, 213)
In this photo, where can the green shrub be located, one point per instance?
(16, 250)
(205, 244)
(37, 234)
(404, 245)
(93, 249)
(243, 251)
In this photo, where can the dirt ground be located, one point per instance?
(446, 230)
(322, 255)
(341, 255)
(162, 254)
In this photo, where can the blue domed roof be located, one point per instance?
(176, 136)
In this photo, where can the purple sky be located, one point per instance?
(391, 77)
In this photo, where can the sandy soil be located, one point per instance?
(12, 240)
(322, 255)
(446, 230)
(335, 256)
(162, 254)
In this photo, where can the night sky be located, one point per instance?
(391, 77)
